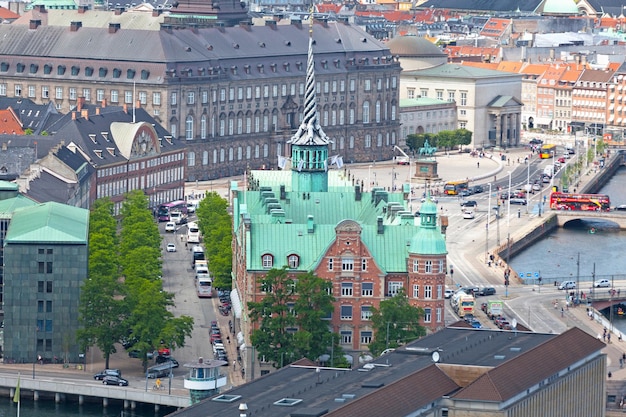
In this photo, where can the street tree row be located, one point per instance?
(123, 297)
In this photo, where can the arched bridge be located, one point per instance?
(565, 216)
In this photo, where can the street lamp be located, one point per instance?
(487, 227)
(508, 219)
(528, 186)
(553, 169)
(369, 181)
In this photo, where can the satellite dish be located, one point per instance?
(435, 356)
(513, 324)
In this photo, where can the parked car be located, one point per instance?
(135, 354)
(600, 283)
(107, 372)
(469, 203)
(165, 359)
(114, 380)
(487, 291)
(171, 247)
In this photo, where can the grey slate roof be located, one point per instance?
(488, 6)
(463, 347)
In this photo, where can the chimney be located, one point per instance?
(220, 27)
(34, 23)
(40, 8)
(97, 111)
(82, 9)
(84, 113)
(104, 103)
(74, 26)
(245, 25)
(357, 193)
(310, 225)
(156, 12)
(119, 11)
(271, 24)
(379, 223)
(297, 23)
(137, 104)
(4, 146)
(283, 195)
(114, 27)
(322, 21)
(80, 103)
(73, 115)
(125, 108)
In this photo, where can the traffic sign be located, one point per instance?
(536, 274)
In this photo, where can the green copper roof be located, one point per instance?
(561, 7)
(49, 223)
(428, 242)
(460, 71)
(421, 101)
(10, 205)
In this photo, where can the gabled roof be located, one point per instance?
(131, 19)
(10, 123)
(495, 27)
(519, 374)
(6, 14)
(32, 116)
(593, 75)
(460, 71)
(49, 223)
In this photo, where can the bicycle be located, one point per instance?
(156, 387)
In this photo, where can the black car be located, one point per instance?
(107, 372)
(487, 291)
(471, 290)
(164, 359)
(114, 380)
(477, 189)
(469, 203)
(535, 141)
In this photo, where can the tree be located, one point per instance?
(101, 307)
(395, 322)
(216, 226)
(292, 304)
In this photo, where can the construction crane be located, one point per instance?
(404, 159)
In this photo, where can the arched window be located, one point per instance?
(191, 159)
(203, 127)
(293, 261)
(366, 112)
(189, 127)
(267, 261)
(230, 154)
(378, 111)
(205, 158)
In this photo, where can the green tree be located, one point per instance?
(395, 322)
(216, 226)
(101, 307)
(290, 304)
(275, 317)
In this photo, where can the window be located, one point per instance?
(173, 98)
(428, 267)
(410, 93)
(416, 291)
(346, 337)
(330, 264)
(31, 91)
(45, 92)
(377, 111)
(428, 291)
(128, 97)
(293, 261)
(364, 264)
(416, 265)
(58, 93)
(439, 94)
(189, 127)
(156, 99)
(366, 312)
(143, 97)
(352, 85)
(393, 287)
(366, 112)
(439, 291)
(366, 337)
(87, 94)
(367, 289)
(463, 98)
(427, 315)
(367, 85)
(48, 306)
(268, 261)
(40, 306)
(347, 264)
(205, 97)
(203, 127)
(439, 315)
(441, 266)
(49, 283)
(18, 90)
(191, 97)
(114, 96)
(191, 159)
(3, 89)
(40, 285)
(346, 289)
(451, 96)
(346, 312)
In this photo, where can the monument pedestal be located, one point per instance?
(426, 169)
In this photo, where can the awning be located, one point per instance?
(236, 303)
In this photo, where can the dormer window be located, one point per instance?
(130, 74)
(273, 67)
(34, 68)
(88, 71)
(117, 73)
(145, 74)
(324, 64)
(47, 69)
(267, 261)
(75, 70)
(293, 261)
(246, 68)
(299, 65)
(102, 72)
(61, 70)
(233, 69)
(260, 68)
(286, 66)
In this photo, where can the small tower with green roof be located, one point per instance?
(309, 145)
(427, 268)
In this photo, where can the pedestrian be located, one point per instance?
(228, 339)
(608, 337)
(451, 272)
(562, 312)
(234, 365)
(621, 363)
(477, 164)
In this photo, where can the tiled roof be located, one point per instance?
(10, 123)
(470, 51)
(522, 372)
(495, 27)
(32, 116)
(49, 223)
(596, 75)
(536, 69)
(6, 14)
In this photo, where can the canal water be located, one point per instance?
(554, 257)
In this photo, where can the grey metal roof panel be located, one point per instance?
(484, 5)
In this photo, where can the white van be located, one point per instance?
(548, 171)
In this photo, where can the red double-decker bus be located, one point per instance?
(580, 202)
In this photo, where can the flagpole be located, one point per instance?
(16, 396)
